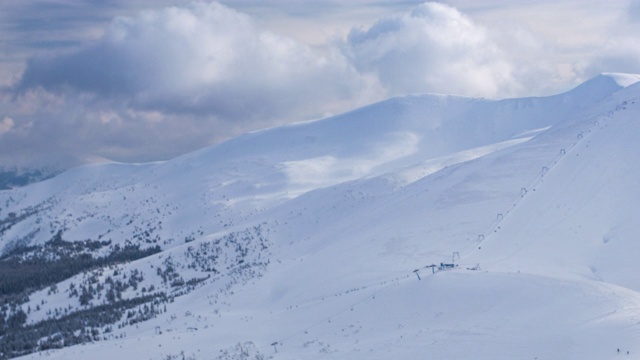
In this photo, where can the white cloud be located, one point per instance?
(201, 59)
(173, 80)
(621, 51)
(6, 125)
(619, 55)
(435, 48)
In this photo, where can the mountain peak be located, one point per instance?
(601, 87)
(621, 79)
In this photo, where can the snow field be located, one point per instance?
(540, 192)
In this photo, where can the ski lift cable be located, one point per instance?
(392, 282)
(395, 281)
(492, 229)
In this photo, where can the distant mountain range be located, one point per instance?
(11, 178)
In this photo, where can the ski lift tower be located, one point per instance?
(416, 272)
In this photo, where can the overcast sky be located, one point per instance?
(141, 80)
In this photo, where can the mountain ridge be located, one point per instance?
(316, 240)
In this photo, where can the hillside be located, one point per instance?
(315, 240)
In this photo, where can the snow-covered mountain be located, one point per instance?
(422, 226)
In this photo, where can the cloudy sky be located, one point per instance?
(142, 80)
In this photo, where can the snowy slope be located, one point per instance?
(259, 170)
(335, 215)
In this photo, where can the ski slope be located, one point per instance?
(534, 200)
